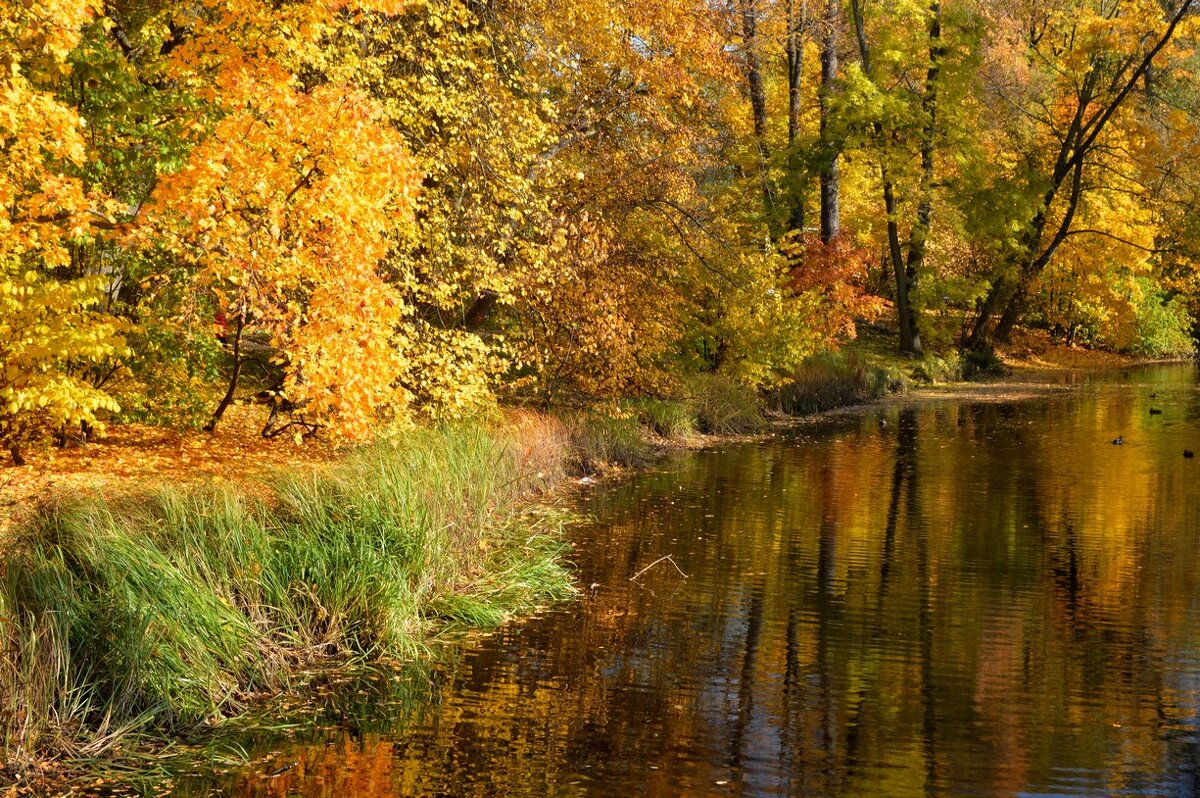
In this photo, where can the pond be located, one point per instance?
(966, 595)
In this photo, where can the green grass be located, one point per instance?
(168, 608)
(669, 418)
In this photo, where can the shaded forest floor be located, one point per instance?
(137, 454)
(1035, 350)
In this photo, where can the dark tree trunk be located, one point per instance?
(758, 97)
(15, 451)
(234, 376)
(918, 237)
(1014, 305)
(1012, 312)
(830, 201)
(480, 310)
(978, 339)
(904, 309)
(795, 69)
(754, 81)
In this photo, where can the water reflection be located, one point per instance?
(978, 598)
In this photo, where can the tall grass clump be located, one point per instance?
(167, 608)
(670, 418)
(599, 440)
(836, 379)
(723, 406)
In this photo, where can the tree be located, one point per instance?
(905, 119)
(286, 206)
(49, 329)
(1084, 65)
(830, 203)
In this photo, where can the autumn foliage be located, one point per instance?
(375, 212)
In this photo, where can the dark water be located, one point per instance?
(981, 598)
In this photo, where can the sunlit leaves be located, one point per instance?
(49, 330)
(287, 208)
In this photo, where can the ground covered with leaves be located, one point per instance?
(137, 454)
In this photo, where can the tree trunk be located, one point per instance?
(795, 70)
(830, 210)
(480, 310)
(227, 400)
(15, 450)
(904, 308)
(758, 98)
(978, 340)
(918, 237)
(1012, 312)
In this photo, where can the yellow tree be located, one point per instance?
(1061, 81)
(287, 205)
(562, 146)
(49, 329)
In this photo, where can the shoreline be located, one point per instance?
(548, 469)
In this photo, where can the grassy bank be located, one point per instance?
(634, 432)
(169, 608)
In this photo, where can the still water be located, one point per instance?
(981, 597)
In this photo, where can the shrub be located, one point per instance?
(933, 369)
(1163, 324)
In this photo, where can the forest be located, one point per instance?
(389, 211)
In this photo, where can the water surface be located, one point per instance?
(977, 598)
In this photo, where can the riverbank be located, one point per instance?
(866, 369)
(870, 369)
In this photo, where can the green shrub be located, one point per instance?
(934, 369)
(1163, 324)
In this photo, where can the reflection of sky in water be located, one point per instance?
(978, 598)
